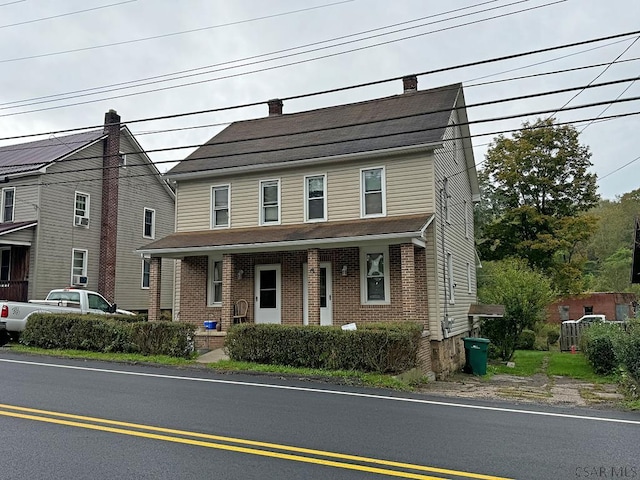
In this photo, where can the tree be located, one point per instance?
(538, 189)
(525, 294)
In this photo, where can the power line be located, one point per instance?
(290, 63)
(62, 14)
(335, 90)
(138, 81)
(619, 168)
(11, 3)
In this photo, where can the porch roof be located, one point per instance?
(9, 227)
(285, 237)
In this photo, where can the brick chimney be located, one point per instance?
(109, 222)
(275, 107)
(410, 83)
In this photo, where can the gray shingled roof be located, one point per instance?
(415, 118)
(27, 157)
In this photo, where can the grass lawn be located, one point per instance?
(528, 362)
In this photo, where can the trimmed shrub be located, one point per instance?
(600, 344)
(629, 350)
(526, 340)
(384, 348)
(100, 333)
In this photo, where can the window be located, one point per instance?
(372, 188)
(588, 309)
(146, 272)
(374, 267)
(81, 210)
(214, 293)
(315, 198)
(8, 198)
(149, 223)
(447, 201)
(450, 283)
(466, 219)
(220, 206)
(269, 202)
(5, 264)
(78, 265)
(97, 302)
(469, 289)
(122, 160)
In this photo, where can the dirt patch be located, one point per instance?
(538, 388)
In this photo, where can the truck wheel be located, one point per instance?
(4, 337)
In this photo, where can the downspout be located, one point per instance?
(444, 326)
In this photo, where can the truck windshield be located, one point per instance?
(64, 296)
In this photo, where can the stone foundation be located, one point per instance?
(447, 355)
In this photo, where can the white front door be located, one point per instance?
(326, 294)
(267, 295)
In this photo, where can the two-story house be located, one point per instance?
(73, 211)
(352, 213)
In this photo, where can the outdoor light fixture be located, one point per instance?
(240, 274)
(344, 270)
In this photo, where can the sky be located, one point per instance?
(64, 63)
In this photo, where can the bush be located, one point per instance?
(384, 348)
(600, 344)
(526, 340)
(629, 350)
(99, 333)
(553, 334)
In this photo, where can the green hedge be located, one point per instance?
(99, 333)
(384, 348)
(599, 344)
(526, 340)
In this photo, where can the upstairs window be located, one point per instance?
(149, 223)
(220, 206)
(8, 198)
(269, 202)
(315, 192)
(122, 160)
(372, 188)
(81, 210)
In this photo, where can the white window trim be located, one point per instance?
(212, 224)
(451, 285)
(261, 213)
(469, 289)
(466, 219)
(383, 185)
(122, 161)
(210, 302)
(324, 198)
(145, 259)
(384, 249)
(447, 201)
(84, 264)
(13, 208)
(144, 223)
(86, 210)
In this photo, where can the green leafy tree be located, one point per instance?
(525, 294)
(538, 191)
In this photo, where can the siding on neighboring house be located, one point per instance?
(139, 189)
(407, 192)
(26, 199)
(57, 235)
(450, 164)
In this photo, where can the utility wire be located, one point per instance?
(287, 64)
(101, 89)
(335, 90)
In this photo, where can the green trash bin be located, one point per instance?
(475, 350)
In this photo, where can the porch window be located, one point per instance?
(8, 197)
(146, 273)
(269, 202)
(374, 267)
(149, 230)
(372, 189)
(214, 293)
(220, 206)
(315, 192)
(5, 264)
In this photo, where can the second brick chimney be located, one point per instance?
(410, 83)
(109, 221)
(275, 107)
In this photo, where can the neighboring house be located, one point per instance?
(615, 306)
(75, 208)
(354, 213)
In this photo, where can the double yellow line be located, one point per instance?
(266, 449)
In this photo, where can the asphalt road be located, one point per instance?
(63, 419)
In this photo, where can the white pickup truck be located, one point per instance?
(14, 315)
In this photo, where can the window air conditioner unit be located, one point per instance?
(81, 221)
(80, 280)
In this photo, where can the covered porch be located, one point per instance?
(15, 257)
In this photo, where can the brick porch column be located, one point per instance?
(155, 277)
(228, 268)
(408, 269)
(313, 286)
